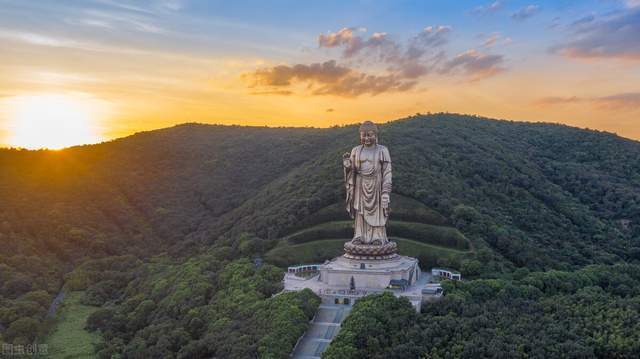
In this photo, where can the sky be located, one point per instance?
(74, 72)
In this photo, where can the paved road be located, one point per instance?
(54, 305)
(323, 329)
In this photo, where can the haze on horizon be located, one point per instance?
(82, 72)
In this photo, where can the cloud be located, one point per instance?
(475, 64)
(494, 39)
(148, 7)
(357, 84)
(340, 38)
(628, 100)
(273, 92)
(410, 60)
(430, 37)
(124, 6)
(421, 54)
(584, 20)
(399, 65)
(39, 39)
(491, 40)
(173, 5)
(119, 20)
(555, 100)
(525, 13)
(488, 9)
(632, 3)
(615, 35)
(283, 75)
(327, 78)
(62, 42)
(353, 44)
(555, 23)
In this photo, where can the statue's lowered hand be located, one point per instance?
(385, 204)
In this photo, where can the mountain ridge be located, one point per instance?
(527, 196)
(183, 150)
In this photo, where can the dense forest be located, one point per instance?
(160, 231)
(590, 313)
(208, 306)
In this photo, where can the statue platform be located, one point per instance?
(400, 275)
(369, 273)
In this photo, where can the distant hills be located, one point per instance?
(525, 187)
(521, 195)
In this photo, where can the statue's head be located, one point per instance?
(368, 133)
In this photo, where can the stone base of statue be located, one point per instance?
(375, 267)
(370, 251)
(362, 271)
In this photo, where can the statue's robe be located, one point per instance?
(367, 179)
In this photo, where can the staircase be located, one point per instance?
(324, 327)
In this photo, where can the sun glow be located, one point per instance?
(53, 121)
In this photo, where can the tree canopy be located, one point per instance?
(123, 220)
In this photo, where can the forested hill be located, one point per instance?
(538, 196)
(526, 189)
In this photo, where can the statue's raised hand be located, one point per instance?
(346, 160)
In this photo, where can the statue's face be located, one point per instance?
(368, 138)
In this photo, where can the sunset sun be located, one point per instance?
(53, 121)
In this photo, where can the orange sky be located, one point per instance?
(118, 69)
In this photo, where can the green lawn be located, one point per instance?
(68, 338)
(430, 255)
(402, 209)
(285, 253)
(419, 231)
(441, 236)
(410, 210)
